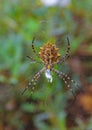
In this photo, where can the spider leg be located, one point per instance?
(67, 80)
(33, 48)
(33, 81)
(62, 59)
(33, 60)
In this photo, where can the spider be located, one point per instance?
(49, 55)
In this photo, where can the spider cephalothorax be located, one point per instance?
(49, 54)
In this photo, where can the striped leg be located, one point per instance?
(66, 79)
(33, 48)
(62, 59)
(32, 83)
(33, 60)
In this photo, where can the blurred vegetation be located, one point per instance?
(52, 106)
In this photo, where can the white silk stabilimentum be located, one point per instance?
(48, 75)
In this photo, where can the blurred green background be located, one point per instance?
(52, 106)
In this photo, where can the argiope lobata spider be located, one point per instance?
(49, 54)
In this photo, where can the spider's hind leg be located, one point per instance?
(32, 83)
(67, 80)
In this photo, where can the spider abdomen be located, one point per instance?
(49, 54)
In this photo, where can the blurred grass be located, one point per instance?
(20, 21)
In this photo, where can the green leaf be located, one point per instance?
(28, 107)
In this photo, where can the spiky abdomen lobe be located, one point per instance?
(49, 53)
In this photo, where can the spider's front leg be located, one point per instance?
(67, 80)
(62, 59)
(33, 81)
(33, 48)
